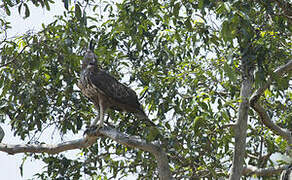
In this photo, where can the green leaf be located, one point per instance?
(268, 93)
(225, 116)
(84, 19)
(78, 11)
(230, 72)
(27, 13)
(66, 4)
(6, 87)
(9, 2)
(21, 166)
(47, 5)
(226, 31)
(203, 105)
(259, 78)
(7, 10)
(198, 122)
(176, 9)
(283, 83)
(201, 4)
(19, 8)
(189, 24)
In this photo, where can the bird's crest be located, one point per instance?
(89, 55)
(89, 59)
(92, 43)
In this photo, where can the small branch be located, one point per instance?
(130, 141)
(279, 71)
(252, 170)
(228, 126)
(15, 58)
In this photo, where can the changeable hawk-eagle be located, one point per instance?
(105, 91)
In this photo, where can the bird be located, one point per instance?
(105, 91)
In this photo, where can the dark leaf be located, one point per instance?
(66, 4)
(27, 13)
(78, 11)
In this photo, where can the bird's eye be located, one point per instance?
(91, 62)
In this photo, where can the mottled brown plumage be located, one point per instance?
(105, 91)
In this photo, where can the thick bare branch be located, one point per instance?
(285, 133)
(262, 112)
(155, 149)
(252, 170)
(46, 148)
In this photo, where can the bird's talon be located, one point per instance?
(91, 130)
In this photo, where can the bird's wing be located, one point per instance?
(114, 89)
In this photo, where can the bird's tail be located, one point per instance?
(142, 116)
(153, 130)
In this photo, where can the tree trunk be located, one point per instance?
(241, 123)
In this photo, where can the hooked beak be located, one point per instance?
(91, 65)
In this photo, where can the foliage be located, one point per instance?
(183, 57)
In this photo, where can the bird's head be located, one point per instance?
(89, 61)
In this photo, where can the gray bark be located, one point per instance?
(252, 170)
(130, 141)
(240, 127)
(264, 117)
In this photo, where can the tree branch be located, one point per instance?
(252, 170)
(155, 149)
(285, 133)
(286, 7)
(47, 148)
(279, 72)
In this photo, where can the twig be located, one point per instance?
(15, 58)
